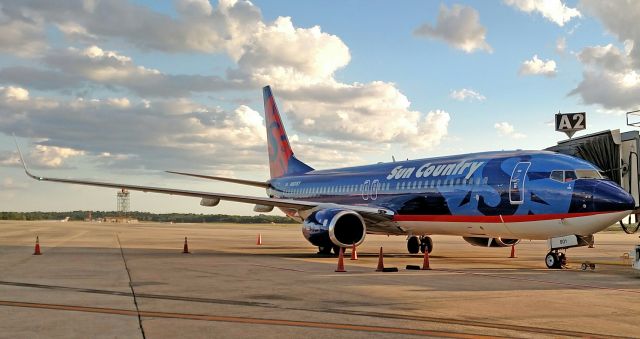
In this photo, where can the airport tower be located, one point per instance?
(123, 199)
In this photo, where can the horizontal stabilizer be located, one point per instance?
(235, 181)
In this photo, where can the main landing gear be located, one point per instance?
(419, 244)
(327, 250)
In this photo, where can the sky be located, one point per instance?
(123, 90)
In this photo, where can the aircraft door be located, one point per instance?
(375, 186)
(365, 190)
(516, 184)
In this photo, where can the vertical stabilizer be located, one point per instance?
(282, 162)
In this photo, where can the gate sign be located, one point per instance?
(570, 123)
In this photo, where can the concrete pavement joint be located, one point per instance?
(133, 293)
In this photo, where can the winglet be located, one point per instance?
(24, 164)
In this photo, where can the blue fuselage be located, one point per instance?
(506, 186)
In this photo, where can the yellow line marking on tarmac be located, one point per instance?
(243, 320)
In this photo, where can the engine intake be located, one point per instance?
(491, 242)
(334, 227)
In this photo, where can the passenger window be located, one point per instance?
(485, 180)
(557, 176)
(569, 176)
(438, 182)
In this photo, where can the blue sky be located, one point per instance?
(122, 90)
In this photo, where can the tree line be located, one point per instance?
(146, 216)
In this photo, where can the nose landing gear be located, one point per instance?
(555, 260)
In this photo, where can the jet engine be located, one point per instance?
(332, 227)
(491, 242)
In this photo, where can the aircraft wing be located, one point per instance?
(263, 184)
(368, 212)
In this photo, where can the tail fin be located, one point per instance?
(282, 162)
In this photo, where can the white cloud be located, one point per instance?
(119, 102)
(459, 26)
(606, 57)
(553, 10)
(134, 136)
(620, 18)
(536, 66)
(40, 156)
(9, 159)
(299, 63)
(75, 31)
(22, 32)
(290, 57)
(374, 112)
(194, 7)
(52, 156)
(466, 94)
(506, 129)
(72, 68)
(14, 93)
(610, 73)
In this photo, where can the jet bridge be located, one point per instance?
(617, 156)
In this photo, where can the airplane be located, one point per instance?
(491, 199)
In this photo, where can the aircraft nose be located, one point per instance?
(608, 197)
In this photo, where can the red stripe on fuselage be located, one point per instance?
(493, 218)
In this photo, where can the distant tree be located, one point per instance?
(146, 216)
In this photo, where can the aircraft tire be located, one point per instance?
(552, 260)
(413, 245)
(426, 243)
(324, 249)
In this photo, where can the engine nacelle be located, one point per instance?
(334, 227)
(491, 242)
(262, 208)
(209, 202)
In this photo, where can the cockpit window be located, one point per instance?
(588, 174)
(569, 176)
(557, 176)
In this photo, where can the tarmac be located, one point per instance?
(105, 280)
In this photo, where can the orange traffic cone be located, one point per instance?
(186, 247)
(341, 261)
(513, 251)
(380, 262)
(425, 262)
(37, 250)
(354, 253)
(259, 242)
